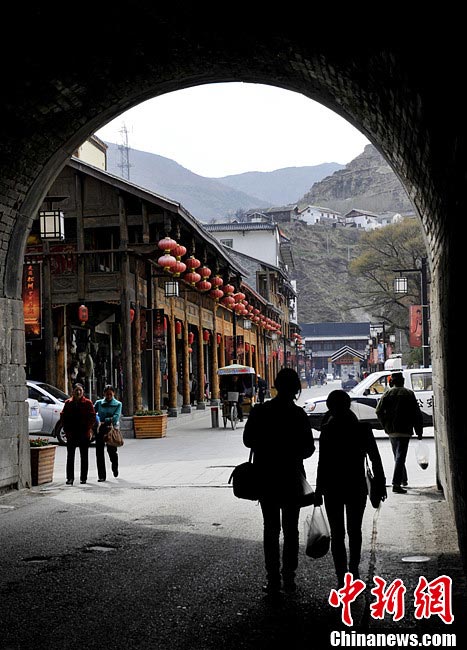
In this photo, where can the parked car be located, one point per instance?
(366, 394)
(51, 400)
(35, 421)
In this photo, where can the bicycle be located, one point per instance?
(230, 409)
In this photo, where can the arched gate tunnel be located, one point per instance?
(66, 78)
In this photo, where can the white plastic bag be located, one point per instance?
(317, 534)
(422, 454)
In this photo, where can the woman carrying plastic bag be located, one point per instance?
(341, 479)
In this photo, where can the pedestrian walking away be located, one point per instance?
(261, 389)
(77, 418)
(280, 436)
(400, 414)
(108, 411)
(343, 445)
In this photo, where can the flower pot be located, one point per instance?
(150, 426)
(42, 464)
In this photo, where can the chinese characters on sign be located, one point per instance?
(32, 300)
(430, 598)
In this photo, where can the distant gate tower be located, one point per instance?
(124, 149)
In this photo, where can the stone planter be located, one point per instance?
(42, 464)
(150, 426)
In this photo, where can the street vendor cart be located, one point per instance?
(237, 386)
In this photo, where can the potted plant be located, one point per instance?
(42, 461)
(150, 424)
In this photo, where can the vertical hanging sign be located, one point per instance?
(416, 328)
(159, 330)
(32, 300)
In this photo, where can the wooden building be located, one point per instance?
(99, 306)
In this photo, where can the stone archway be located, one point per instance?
(55, 98)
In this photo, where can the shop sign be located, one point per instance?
(32, 300)
(158, 330)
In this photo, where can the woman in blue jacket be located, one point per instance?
(109, 411)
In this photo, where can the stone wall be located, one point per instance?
(14, 436)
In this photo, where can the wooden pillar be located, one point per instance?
(61, 377)
(49, 350)
(157, 380)
(200, 404)
(127, 397)
(172, 362)
(186, 406)
(137, 373)
(214, 364)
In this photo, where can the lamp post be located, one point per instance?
(401, 287)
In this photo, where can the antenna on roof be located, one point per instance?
(124, 149)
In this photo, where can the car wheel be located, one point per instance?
(60, 434)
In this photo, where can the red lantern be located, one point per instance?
(178, 328)
(167, 262)
(167, 244)
(178, 267)
(228, 289)
(190, 350)
(205, 272)
(191, 337)
(83, 314)
(204, 285)
(217, 281)
(192, 277)
(219, 339)
(239, 296)
(179, 251)
(228, 302)
(206, 335)
(247, 347)
(192, 263)
(132, 314)
(216, 294)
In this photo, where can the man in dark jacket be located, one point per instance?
(78, 417)
(280, 435)
(400, 414)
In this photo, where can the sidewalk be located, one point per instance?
(178, 559)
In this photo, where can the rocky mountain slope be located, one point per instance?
(367, 183)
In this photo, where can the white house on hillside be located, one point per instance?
(313, 214)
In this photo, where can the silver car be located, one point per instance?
(51, 400)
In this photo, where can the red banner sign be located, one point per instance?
(416, 326)
(32, 301)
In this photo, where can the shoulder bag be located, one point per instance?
(306, 493)
(113, 437)
(244, 480)
(375, 492)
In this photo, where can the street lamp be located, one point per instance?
(401, 287)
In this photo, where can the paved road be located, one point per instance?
(165, 558)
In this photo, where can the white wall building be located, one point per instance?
(314, 214)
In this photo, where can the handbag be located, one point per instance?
(245, 482)
(113, 437)
(375, 493)
(306, 493)
(317, 534)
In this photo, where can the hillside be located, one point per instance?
(214, 198)
(204, 198)
(367, 183)
(326, 291)
(282, 186)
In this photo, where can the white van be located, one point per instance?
(366, 394)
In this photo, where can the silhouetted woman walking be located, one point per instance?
(343, 445)
(279, 433)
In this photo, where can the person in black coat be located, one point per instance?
(343, 444)
(280, 436)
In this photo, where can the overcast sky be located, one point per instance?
(221, 129)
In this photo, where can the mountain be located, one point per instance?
(204, 198)
(366, 183)
(282, 186)
(216, 198)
